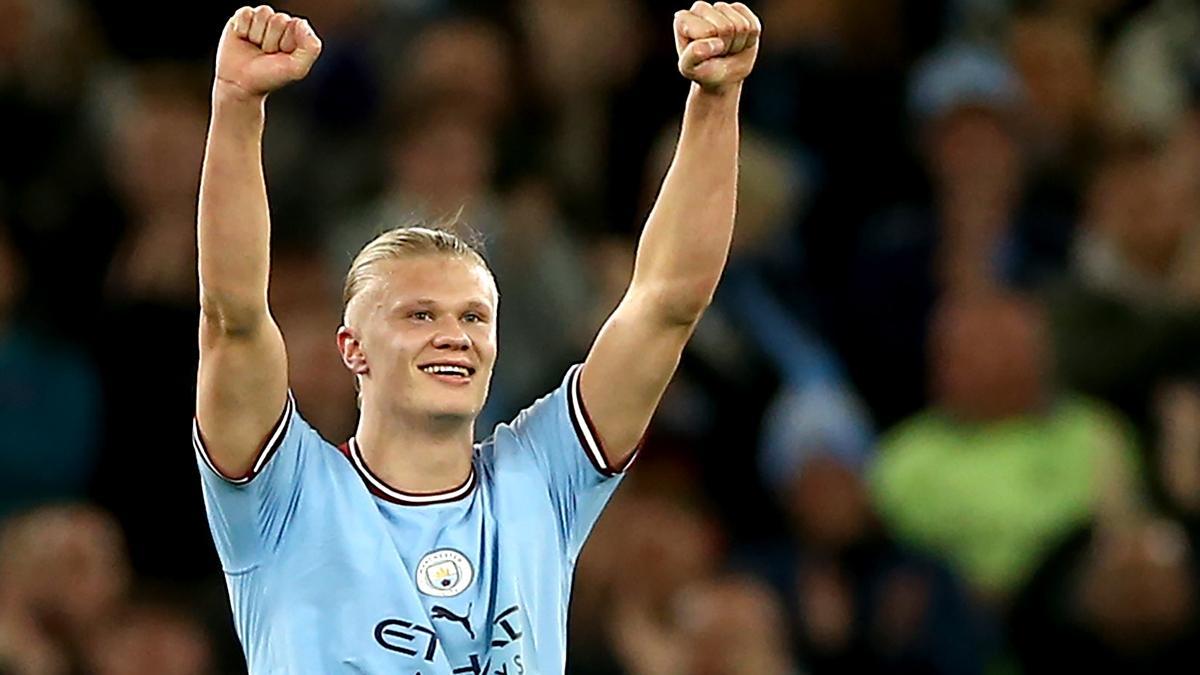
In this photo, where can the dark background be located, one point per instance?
(942, 417)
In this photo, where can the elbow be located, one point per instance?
(231, 316)
(686, 310)
(680, 303)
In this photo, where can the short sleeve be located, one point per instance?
(558, 435)
(249, 514)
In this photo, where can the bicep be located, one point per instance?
(627, 370)
(241, 389)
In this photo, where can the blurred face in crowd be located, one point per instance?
(1137, 588)
(152, 641)
(68, 563)
(989, 357)
(973, 154)
(315, 371)
(417, 316)
(157, 145)
(734, 627)
(466, 61)
(829, 503)
(1056, 56)
(583, 46)
(446, 160)
(1143, 203)
(674, 544)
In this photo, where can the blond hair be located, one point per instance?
(408, 241)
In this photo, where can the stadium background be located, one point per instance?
(942, 417)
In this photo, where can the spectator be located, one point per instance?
(1147, 77)
(1115, 598)
(1177, 413)
(64, 573)
(1057, 54)
(580, 56)
(151, 306)
(611, 598)
(151, 639)
(49, 403)
(305, 297)
(725, 626)
(1003, 464)
(974, 231)
(1133, 279)
(857, 600)
(51, 176)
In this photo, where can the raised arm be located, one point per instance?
(686, 240)
(242, 382)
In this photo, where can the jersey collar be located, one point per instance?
(381, 489)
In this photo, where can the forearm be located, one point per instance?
(233, 219)
(685, 243)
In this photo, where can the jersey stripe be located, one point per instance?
(586, 430)
(274, 439)
(381, 489)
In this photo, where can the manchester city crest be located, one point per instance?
(444, 573)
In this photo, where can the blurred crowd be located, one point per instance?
(943, 416)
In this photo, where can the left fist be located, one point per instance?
(717, 43)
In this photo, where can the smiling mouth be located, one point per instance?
(449, 373)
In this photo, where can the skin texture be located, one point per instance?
(415, 312)
(416, 429)
(242, 379)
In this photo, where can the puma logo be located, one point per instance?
(444, 614)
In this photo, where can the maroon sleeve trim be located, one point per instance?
(269, 446)
(586, 431)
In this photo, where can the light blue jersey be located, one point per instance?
(332, 571)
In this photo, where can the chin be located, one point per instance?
(450, 412)
(452, 418)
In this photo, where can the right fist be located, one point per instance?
(261, 50)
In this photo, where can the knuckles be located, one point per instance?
(732, 20)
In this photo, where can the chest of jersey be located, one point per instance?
(460, 587)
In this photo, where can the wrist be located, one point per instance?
(717, 92)
(719, 103)
(236, 112)
(228, 94)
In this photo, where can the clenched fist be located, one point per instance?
(717, 43)
(261, 50)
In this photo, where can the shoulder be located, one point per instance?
(1091, 419)
(549, 417)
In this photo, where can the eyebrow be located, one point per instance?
(475, 305)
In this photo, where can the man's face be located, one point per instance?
(426, 337)
(990, 357)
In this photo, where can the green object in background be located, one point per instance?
(992, 497)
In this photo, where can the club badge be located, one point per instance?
(444, 573)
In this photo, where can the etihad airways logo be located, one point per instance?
(500, 653)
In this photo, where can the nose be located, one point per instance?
(452, 337)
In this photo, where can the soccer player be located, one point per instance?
(410, 549)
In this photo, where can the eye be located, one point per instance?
(421, 315)
(473, 317)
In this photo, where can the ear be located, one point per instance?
(350, 347)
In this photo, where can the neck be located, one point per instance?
(419, 455)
